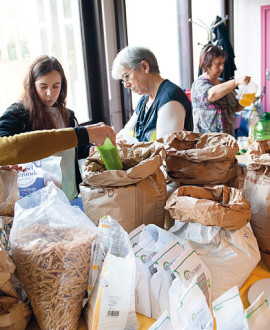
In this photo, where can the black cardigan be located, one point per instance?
(16, 120)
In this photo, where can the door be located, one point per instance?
(265, 57)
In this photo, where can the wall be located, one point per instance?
(247, 38)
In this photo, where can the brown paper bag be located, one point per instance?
(210, 206)
(132, 196)
(7, 267)
(257, 191)
(9, 192)
(14, 314)
(201, 159)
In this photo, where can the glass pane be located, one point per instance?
(156, 30)
(36, 27)
(201, 32)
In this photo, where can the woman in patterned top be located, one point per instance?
(214, 101)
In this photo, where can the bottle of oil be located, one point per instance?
(253, 119)
(110, 155)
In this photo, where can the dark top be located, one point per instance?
(145, 128)
(16, 120)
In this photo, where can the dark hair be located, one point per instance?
(208, 54)
(39, 117)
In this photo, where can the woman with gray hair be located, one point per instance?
(163, 108)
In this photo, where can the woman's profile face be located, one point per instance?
(136, 80)
(216, 67)
(48, 88)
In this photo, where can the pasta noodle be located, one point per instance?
(53, 264)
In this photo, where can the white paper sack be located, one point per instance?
(154, 238)
(144, 271)
(190, 265)
(228, 310)
(134, 235)
(194, 308)
(176, 291)
(229, 255)
(162, 280)
(159, 291)
(112, 301)
(258, 314)
(163, 323)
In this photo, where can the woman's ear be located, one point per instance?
(145, 66)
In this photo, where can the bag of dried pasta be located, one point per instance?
(51, 246)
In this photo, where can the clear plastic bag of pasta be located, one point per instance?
(51, 246)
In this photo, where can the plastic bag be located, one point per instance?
(51, 245)
(112, 302)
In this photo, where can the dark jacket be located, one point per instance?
(16, 120)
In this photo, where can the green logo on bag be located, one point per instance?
(143, 258)
(166, 265)
(187, 274)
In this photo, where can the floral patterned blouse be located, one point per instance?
(218, 116)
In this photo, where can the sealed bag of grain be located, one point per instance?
(51, 245)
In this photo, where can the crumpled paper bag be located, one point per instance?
(211, 206)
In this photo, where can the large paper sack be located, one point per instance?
(200, 159)
(132, 196)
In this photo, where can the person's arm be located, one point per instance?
(171, 118)
(36, 145)
(32, 146)
(127, 134)
(218, 91)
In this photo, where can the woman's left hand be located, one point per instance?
(12, 167)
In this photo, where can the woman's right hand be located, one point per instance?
(98, 132)
(244, 80)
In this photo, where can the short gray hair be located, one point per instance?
(131, 57)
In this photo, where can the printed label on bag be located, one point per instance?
(31, 179)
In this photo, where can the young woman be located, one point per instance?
(42, 106)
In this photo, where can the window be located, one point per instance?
(153, 24)
(36, 27)
(202, 20)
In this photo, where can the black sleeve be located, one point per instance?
(82, 135)
(15, 120)
(83, 142)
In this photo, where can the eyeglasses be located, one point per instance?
(125, 79)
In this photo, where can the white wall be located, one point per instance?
(247, 38)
